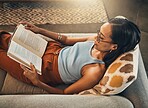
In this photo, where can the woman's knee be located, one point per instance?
(4, 39)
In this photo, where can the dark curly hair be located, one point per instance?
(125, 34)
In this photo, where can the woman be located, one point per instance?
(84, 59)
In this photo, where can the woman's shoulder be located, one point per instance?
(96, 69)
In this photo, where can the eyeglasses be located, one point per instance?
(100, 39)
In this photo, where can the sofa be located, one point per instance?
(17, 94)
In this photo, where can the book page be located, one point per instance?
(24, 56)
(30, 40)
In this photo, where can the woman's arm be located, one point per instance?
(67, 40)
(89, 79)
(32, 75)
(86, 82)
(56, 36)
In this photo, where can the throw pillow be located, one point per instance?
(119, 75)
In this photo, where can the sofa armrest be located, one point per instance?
(63, 101)
(137, 93)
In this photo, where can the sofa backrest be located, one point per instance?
(137, 93)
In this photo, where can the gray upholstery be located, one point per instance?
(2, 78)
(137, 93)
(61, 101)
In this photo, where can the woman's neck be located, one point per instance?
(98, 54)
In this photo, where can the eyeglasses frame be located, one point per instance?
(99, 37)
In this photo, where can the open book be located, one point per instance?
(27, 47)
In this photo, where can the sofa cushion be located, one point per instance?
(13, 86)
(2, 78)
(119, 75)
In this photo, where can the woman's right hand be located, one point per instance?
(31, 27)
(31, 74)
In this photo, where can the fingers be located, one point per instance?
(32, 67)
(26, 24)
(29, 26)
(31, 74)
(26, 70)
(23, 67)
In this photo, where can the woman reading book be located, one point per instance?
(83, 59)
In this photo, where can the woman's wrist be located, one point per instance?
(40, 30)
(36, 83)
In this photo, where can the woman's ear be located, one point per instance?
(114, 47)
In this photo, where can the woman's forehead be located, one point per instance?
(106, 26)
(106, 29)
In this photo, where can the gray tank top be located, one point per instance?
(73, 58)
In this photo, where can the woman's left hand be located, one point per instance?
(30, 26)
(31, 74)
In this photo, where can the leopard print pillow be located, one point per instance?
(119, 75)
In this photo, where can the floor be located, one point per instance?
(91, 15)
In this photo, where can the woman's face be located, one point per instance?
(103, 41)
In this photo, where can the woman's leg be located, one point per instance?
(7, 64)
(50, 74)
(4, 39)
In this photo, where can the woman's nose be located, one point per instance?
(95, 41)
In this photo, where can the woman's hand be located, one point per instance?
(31, 74)
(33, 77)
(31, 27)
